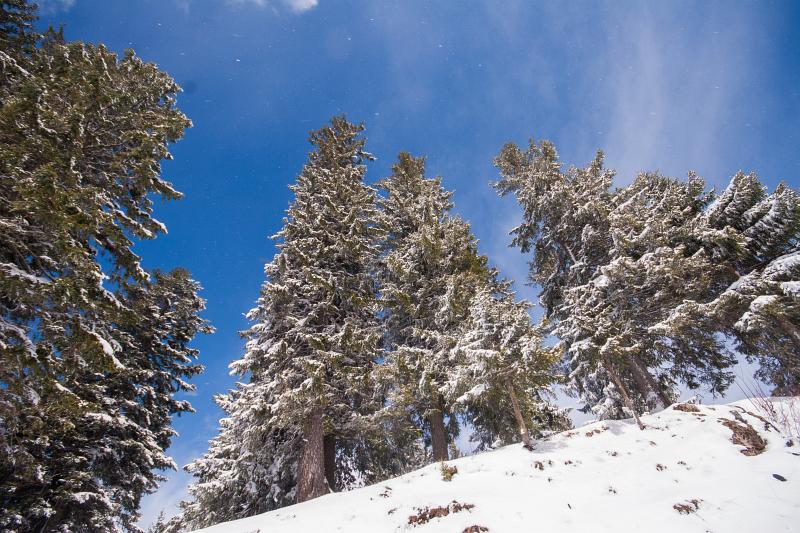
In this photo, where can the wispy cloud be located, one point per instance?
(669, 85)
(295, 6)
(50, 7)
(298, 6)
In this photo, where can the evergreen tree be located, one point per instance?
(16, 29)
(293, 429)
(432, 269)
(754, 238)
(316, 333)
(249, 468)
(160, 525)
(502, 371)
(565, 217)
(92, 348)
(632, 278)
(655, 267)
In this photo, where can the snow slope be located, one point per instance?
(604, 476)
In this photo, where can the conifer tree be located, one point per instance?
(502, 371)
(754, 238)
(310, 351)
(249, 468)
(92, 347)
(634, 280)
(317, 329)
(432, 269)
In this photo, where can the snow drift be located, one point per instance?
(715, 468)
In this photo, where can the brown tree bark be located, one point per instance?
(625, 397)
(523, 429)
(438, 434)
(645, 380)
(329, 443)
(311, 470)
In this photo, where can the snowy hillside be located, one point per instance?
(682, 473)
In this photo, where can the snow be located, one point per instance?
(109, 350)
(783, 266)
(763, 301)
(791, 288)
(601, 281)
(604, 476)
(477, 390)
(14, 271)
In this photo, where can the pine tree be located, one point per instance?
(655, 266)
(566, 224)
(565, 216)
(16, 29)
(303, 415)
(502, 371)
(753, 237)
(432, 269)
(160, 525)
(92, 347)
(649, 308)
(249, 468)
(319, 334)
(571, 221)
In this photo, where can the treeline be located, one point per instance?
(380, 331)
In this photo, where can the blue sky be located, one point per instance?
(670, 86)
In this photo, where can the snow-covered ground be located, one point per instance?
(683, 473)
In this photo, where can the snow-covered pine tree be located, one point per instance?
(317, 330)
(565, 216)
(249, 468)
(654, 267)
(91, 351)
(577, 228)
(566, 225)
(753, 237)
(432, 269)
(643, 315)
(310, 352)
(16, 23)
(502, 371)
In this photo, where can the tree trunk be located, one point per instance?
(311, 470)
(625, 397)
(645, 380)
(523, 429)
(329, 442)
(793, 330)
(438, 434)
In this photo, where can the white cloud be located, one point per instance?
(670, 87)
(296, 6)
(50, 7)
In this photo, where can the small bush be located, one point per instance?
(448, 471)
(783, 416)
